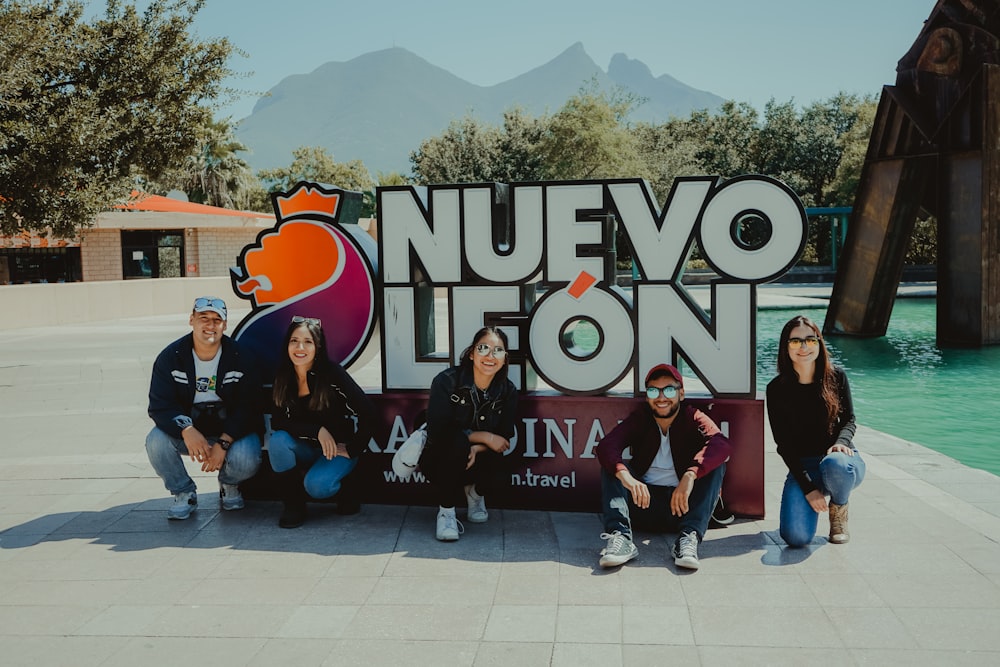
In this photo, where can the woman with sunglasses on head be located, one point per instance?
(812, 419)
(321, 423)
(470, 422)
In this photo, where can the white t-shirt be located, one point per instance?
(661, 471)
(206, 376)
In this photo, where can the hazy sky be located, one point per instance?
(747, 50)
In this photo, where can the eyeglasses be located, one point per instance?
(209, 301)
(298, 319)
(498, 352)
(808, 341)
(670, 391)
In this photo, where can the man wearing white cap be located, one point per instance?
(203, 398)
(674, 478)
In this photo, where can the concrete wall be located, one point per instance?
(66, 303)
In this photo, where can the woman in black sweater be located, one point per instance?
(321, 423)
(812, 420)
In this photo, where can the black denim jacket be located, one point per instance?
(457, 407)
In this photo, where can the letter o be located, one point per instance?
(772, 201)
(597, 372)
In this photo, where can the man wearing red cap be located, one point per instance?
(673, 479)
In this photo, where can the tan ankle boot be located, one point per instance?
(838, 524)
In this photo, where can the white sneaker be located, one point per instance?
(477, 505)
(231, 497)
(448, 525)
(184, 504)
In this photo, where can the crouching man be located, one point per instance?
(674, 478)
(203, 399)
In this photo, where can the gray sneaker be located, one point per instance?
(685, 551)
(619, 551)
(184, 504)
(231, 497)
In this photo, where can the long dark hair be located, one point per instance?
(829, 391)
(466, 361)
(286, 383)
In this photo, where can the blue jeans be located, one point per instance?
(836, 475)
(323, 477)
(620, 511)
(167, 453)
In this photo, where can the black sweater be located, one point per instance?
(799, 422)
(349, 418)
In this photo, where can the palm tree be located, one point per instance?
(213, 174)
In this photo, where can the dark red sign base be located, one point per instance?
(557, 468)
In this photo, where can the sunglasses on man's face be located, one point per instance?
(808, 341)
(483, 349)
(653, 393)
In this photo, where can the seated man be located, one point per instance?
(675, 475)
(202, 399)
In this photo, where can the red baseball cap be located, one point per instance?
(660, 369)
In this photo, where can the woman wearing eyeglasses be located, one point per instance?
(470, 422)
(812, 420)
(321, 423)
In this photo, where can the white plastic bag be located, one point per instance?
(407, 457)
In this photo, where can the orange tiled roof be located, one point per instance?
(142, 201)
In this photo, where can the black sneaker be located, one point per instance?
(685, 551)
(721, 516)
(619, 551)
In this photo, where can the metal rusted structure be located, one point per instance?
(935, 145)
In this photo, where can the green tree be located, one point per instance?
(86, 105)
(471, 151)
(727, 141)
(213, 174)
(781, 148)
(667, 151)
(518, 155)
(853, 146)
(392, 178)
(466, 152)
(588, 138)
(314, 163)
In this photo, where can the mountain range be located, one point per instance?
(380, 106)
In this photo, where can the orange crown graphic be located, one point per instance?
(307, 198)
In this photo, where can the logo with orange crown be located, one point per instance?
(315, 262)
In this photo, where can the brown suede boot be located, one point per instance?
(838, 524)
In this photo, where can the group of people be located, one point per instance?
(203, 400)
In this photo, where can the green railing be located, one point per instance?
(838, 227)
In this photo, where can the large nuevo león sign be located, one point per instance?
(495, 247)
(536, 259)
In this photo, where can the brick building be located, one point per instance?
(150, 237)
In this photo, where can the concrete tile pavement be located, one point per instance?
(91, 573)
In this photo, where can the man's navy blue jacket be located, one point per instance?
(172, 389)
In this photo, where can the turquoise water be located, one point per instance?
(902, 384)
